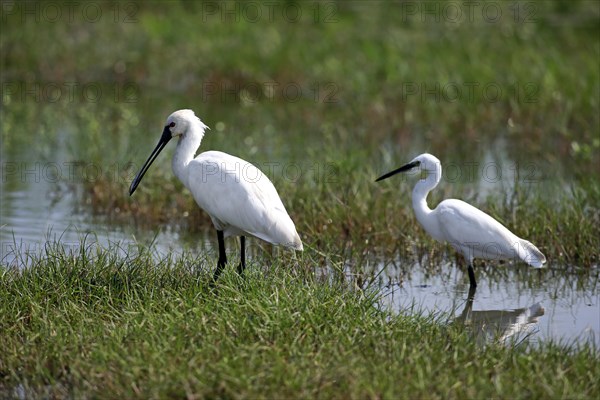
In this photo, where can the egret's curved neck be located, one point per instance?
(419, 197)
(186, 149)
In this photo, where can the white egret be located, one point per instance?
(237, 196)
(469, 230)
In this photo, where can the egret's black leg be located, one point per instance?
(222, 256)
(242, 265)
(472, 281)
(471, 296)
(466, 314)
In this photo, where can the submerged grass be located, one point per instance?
(350, 212)
(102, 323)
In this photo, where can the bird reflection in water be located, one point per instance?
(511, 326)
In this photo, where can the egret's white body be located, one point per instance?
(469, 230)
(237, 196)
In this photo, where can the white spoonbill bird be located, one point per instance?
(237, 196)
(469, 230)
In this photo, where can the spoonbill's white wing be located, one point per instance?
(240, 199)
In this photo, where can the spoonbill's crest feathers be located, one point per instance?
(182, 121)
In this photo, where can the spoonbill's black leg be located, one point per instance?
(242, 265)
(472, 281)
(222, 257)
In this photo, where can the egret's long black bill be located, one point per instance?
(164, 139)
(403, 168)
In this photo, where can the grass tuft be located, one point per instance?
(103, 323)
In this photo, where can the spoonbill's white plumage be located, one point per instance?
(469, 230)
(237, 196)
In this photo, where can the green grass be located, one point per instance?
(99, 324)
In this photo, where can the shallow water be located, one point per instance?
(31, 219)
(506, 309)
(40, 206)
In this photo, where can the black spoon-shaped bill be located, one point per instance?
(403, 168)
(164, 139)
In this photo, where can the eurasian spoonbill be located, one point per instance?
(237, 196)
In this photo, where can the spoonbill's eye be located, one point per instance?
(172, 124)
